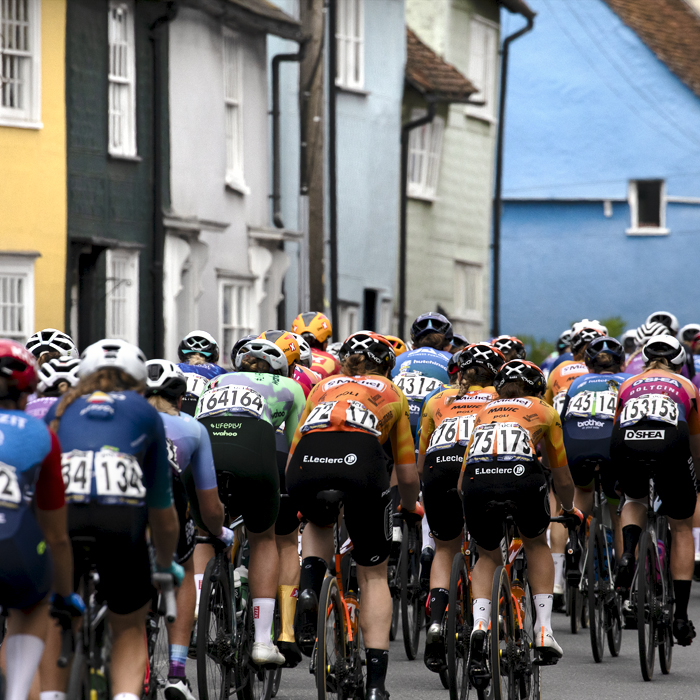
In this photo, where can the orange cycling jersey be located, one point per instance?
(510, 429)
(323, 363)
(560, 378)
(366, 404)
(443, 406)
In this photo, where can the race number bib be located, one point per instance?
(558, 401)
(10, 491)
(600, 404)
(358, 415)
(320, 416)
(653, 407)
(416, 386)
(506, 441)
(451, 432)
(76, 467)
(195, 383)
(231, 398)
(118, 478)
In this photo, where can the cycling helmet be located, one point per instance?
(113, 352)
(314, 324)
(629, 340)
(372, 345)
(481, 355)
(238, 345)
(198, 342)
(521, 371)
(649, 330)
(459, 342)
(694, 343)
(264, 350)
(57, 370)
(507, 344)
(305, 354)
(18, 368)
(564, 340)
(665, 347)
(589, 323)
(431, 322)
(166, 379)
(286, 342)
(665, 317)
(398, 344)
(583, 336)
(334, 349)
(688, 332)
(51, 340)
(601, 344)
(453, 364)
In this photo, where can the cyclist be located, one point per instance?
(635, 362)
(241, 411)
(459, 342)
(316, 330)
(291, 345)
(56, 376)
(657, 435)
(668, 320)
(30, 466)
(629, 342)
(563, 348)
(338, 445)
(190, 453)
(198, 353)
(584, 323)
(500, 464)
(397, 344)
(52, 343)
(446, 422)
(117, 477)
(511, 347)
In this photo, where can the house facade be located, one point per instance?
(601, 213)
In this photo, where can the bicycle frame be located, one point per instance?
(350, 623)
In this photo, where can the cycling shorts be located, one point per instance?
(521, 483)
(189, 404)
(246, 468)
(588, 447)
(652, 449)
(186, 541)
(288, 518)
(355, 464)
(25, 566)
(120, 554)
(443, 505)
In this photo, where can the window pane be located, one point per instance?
(649, 203)
(12, 311)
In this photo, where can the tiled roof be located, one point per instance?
(671, 29)
(430, 75)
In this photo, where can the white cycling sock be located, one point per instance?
(125, 696)
(263, 612)
(543, 609)
(52, 695)
(482, 613)
(696, 537)
(23, 656)
(558, 569)
(427, 539)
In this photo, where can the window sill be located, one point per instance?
(423, 197)
(648, 231)
(130, 159)
(20, 123)
(352, 90)
(237, 186)
(480, 117)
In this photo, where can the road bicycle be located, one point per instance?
(576, 604)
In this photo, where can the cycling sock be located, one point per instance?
(630, 538)
(125, 696)
(198, 578)
(23, 653)
(52, 695)
(681, 592)
(263, 612)
(696, 538)
(287, 597)
(377, 664)
(482, 612)
(428, 541)
(178, 658)
(313, 571)
(543, 609)
(558, 569)
(438, 604)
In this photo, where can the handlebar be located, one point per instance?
(166, 605)
(570, 521)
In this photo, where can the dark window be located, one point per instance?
(370, 310)
(649, 203)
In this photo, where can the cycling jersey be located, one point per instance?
(635, 363)
(208, 370)
(306, 378)
(38, 407)
(197, 378)
(324, 364)
(564, 357)
(429, 362)
(593, 396)
(559, 379)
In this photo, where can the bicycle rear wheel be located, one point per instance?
(459, 627)
(253, 682)
(646, 605)
(664, 632)
(411, 608)
(331, 643)
(158, 653)
(531, 677)
(596, 584)
(503, 643)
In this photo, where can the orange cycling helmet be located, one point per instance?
(398, 344)
(315, 324)
(286, 342)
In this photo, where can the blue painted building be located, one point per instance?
(601, 211)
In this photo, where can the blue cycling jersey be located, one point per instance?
(192, 448)
(114, 451)
(428, 361)
(207, 370)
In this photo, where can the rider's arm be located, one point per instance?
(165, 531)
(295, 413)
(204, 474)
(556, 456)
(693, 420)
(404, 458)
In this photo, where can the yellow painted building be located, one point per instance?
(32, 166)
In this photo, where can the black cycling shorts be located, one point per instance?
(189, 404)
(186, 541)
(355, 464)
(588, 446)
(120, 553)
(653, 449)
(25, 566)
(246, 468)
(442, 503)
(521, 483)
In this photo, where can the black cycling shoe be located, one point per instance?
(696, 571)
(377, 694)
(307, 617)
(625, 572)
(559, 603)
(478, 670)
(684, 632)
(291, 653)
(434, 657)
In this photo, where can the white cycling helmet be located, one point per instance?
(198, 342)
(112, 352)
(665, 317)
(57, 370)
(688, 332)
(306, 358)
(649, 330)
(588, 323)
(629, 337)
(264, 350)
(165, 378)
(666, 347)
(52, 340)
(334, 349)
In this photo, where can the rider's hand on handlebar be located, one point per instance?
(227, 536)
(415, 515)
(72, 604)
(573, 513)
(175, 570)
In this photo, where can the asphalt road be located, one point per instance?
(575, 677)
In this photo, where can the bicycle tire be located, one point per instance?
(253, 682)
(459, 626)
(646, 605)
(158, 653)
(395, 614)
(613, 607)
(214, 633)
(596, 584)
(502, 638)
(665, 635)
(411, 609)
(573, 607)
(331, 643)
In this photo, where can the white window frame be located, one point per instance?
(464, 288)
(483, 67)
(238, 327)
(126, 289)
(28, 116)
(348, 318)
(424, 152)
(635, 229)
(122, 141)
(231, 47)
(386, 314)
(18, 267)
(350, 44)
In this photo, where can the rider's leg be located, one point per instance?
(440, 576)
(129, 655)
(558, 536)
(682, 563)
(375, 621)
(263, 574)
(24, 645)
(287, 592)
(179, 631)
(583, 498)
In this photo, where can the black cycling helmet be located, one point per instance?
(459, 342)
(432, 322)
(453, 364)
(522, 371)
(166, 379)
(664, 347)
(238, 345)
(481, 355)
(509, 343)
(582, 337)
(198, 342)
(372, 345)
(612, 346)
(564, 340)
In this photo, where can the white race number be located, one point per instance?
(231, 398)
(359, 416)
(118, 477)
(76, 467)
(319, 417)
(653, 407)
(601, 404)
(10, 492)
